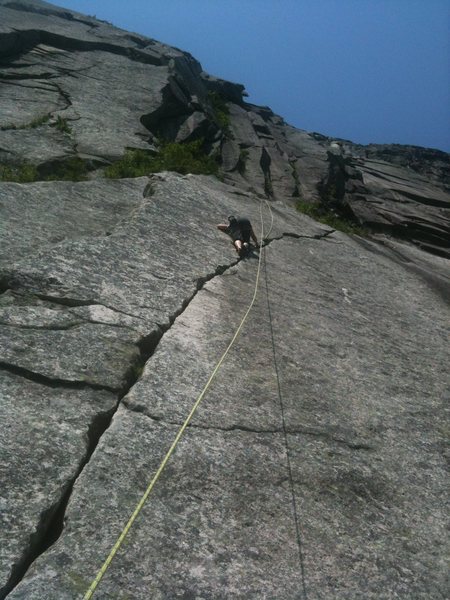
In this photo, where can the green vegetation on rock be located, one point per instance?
(221, 111)
(327, 217)
(242, 162)
(182, 158)
(62, 125)
(23, 173)
(71, 169)
(134, 163)
(37, 122)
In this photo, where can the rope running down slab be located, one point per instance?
(90, 592)
(286, 442)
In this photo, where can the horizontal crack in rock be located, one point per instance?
(63, 301)
(67, 327)
(53, 382)
(298, 236)
(52, 520)
(319, 434)
(317, 236)
(75, 302)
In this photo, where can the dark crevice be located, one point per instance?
(64, 95)
(264, 164)
(298, 236)
(43, 88)
(320, 236)
(246, 429)
(62, 301)
(52, 382)
(5, 286)
(148, 344)
(317, 236)
(96, 429)
(9, 77)
(65, 327)
(243, 428)
(51, 523)
(20, 42)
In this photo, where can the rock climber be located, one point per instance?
(240, 230)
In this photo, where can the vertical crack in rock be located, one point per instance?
(51, 522)
(264, 163)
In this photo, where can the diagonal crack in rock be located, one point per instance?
(51, 524)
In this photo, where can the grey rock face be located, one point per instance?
(392, 198)
(363, 431)
(39, 216)
(315, 465)
(71, 64)
(45, 436)
(86, 301)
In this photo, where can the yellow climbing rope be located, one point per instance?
(90, 592)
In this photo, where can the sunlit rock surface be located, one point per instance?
(315, 465)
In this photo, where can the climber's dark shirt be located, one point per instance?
(240, 230)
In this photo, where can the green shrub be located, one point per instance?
(182, 158)
(37, 122)
(221, 111)
(62, 125)
(24, 173)
(71, 169)
(134, 163)
(321, 214)
(242, 162)
(186, 158)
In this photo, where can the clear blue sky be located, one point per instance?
(364, 70)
